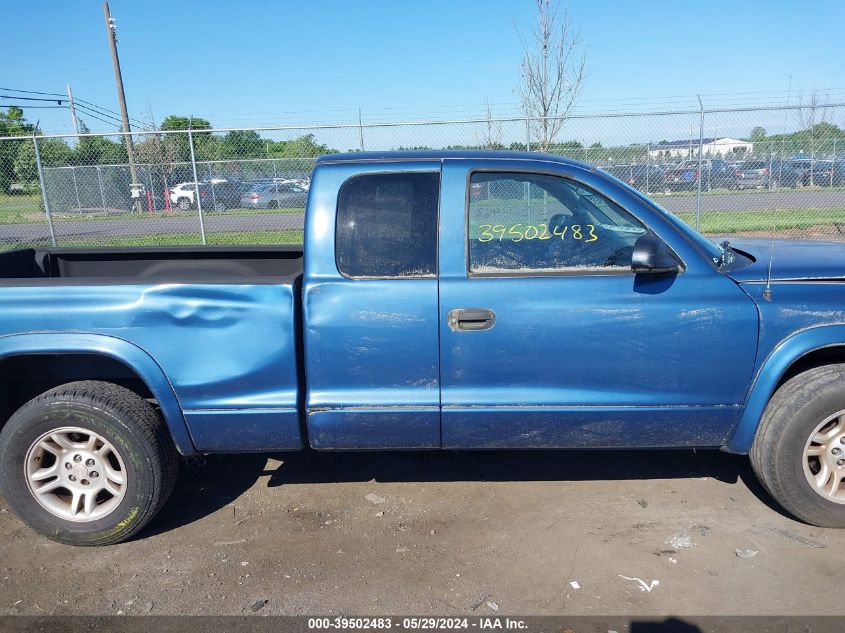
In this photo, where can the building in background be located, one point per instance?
(688, 148)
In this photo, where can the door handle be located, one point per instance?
(471, 319)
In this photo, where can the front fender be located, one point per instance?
(774, 367)
(123, 351)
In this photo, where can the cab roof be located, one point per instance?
(456, 154)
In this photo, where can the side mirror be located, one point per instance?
(653, 256)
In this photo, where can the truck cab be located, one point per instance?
(450, 320)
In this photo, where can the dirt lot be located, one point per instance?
(480, 533)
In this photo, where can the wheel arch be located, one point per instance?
(801, 351)
(136, 361)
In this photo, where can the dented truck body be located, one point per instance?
(441, 337)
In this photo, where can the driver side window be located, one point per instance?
(538, 224)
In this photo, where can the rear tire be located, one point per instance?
(103, 454)
(272, 204)
(799, 450)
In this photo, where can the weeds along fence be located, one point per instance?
(739, 171)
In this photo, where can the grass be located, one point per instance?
(742, 192)
(28, 209)
(722, 222)
(16, 209)
(245, 238)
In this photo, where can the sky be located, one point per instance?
(259, 62)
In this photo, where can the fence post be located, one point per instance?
(152, 188)
(771, 163)
(196, 184)
(647, 166)
(211, 182)
(833, 162)
(527, 135)
(100, 184)
(76, 189)
(44, 189)
(700, 174)
(360, 129)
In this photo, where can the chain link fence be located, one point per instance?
(745, 171)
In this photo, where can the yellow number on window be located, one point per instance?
(545, 235)
(514, 233)
(528, 229)
(485, 235)
(576, 232)
(593, 236)
(500, 229)
(560, 234)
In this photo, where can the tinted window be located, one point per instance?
(387, 225)
(531, 223)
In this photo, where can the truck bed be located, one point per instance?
(255, 264)
(220, 323)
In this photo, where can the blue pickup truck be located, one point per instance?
(472, 300)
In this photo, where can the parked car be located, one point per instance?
(786, 173)
(274, 196)
(222, 195)
(648, 179)
(182, 195)
(302, 183)
(827, 173)
(803, 168)
(753, 174)
(716, 174)
(417, 318)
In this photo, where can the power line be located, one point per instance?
(19, 98)
(33, 92)
(106, 121)
(82, 103)
(29, 107)
(97, 108)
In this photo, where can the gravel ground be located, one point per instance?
(529, 533)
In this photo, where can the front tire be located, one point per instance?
(799, 450)
(184, 204)
(87, 463)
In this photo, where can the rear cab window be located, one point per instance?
(386, 226)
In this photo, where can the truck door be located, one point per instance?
(548, 339)
(370, 306)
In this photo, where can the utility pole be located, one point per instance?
(73, 112)
(121, 97)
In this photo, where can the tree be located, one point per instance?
(301, 147)
(491, 135)
(54, 153)
(242, 144)
(811, 114)
(552, 72)
(98, 150)
(177, 144)
(758, 134)
(12, 123)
